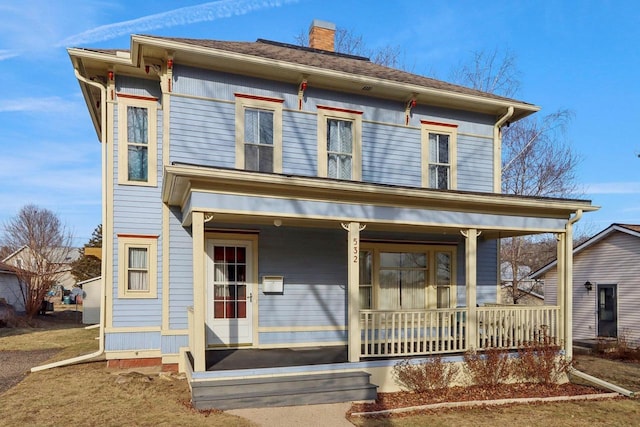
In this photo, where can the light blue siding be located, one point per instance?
(302, 337)
(138, 87)
(391, 155)
(475, 164)
(137, 210)
(315, 276)
(132, 341)
(171, 343)
(202, 132)
(181, 271)
(299, 143)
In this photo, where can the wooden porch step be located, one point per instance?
(282, 390)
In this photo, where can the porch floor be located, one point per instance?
(252, 358)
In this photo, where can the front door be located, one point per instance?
(607, 311)
(229, 292)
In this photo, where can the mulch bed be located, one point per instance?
(387, 401)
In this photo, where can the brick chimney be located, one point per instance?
(322, 35)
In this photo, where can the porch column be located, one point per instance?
(560, 270)
(471, 273)
(568, 297)
(199, 296)
(353, 301)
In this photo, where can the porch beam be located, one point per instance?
(471, 277)
(353, 302)
(198, 351)
(568, 297)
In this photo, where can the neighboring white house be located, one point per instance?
(63, 256)
(10, 287)
(91, 300)
(606, 284)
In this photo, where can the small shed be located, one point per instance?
(91, 300)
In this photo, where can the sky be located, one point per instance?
(578, 55)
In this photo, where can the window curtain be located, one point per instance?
(138, 139)
(138, 269)
(339, 148)
(402, 280)
(258, 136)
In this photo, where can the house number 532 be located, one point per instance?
(355, 250)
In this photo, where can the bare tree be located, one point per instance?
(347, 41)
(537, 160)
(490, 71)
(40, 245)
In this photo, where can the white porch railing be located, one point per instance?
(408, 333)
(512, 326)
(388, 333)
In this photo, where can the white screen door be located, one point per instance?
(229, 292)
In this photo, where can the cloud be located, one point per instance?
(613, 188)
(6, 54)
(53, 104)
(182, 16)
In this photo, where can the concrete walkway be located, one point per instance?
(298, 416)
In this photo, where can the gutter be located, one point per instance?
(103, 140)
(601, 383)
(497, 150)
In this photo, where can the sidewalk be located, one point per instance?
(298, 416)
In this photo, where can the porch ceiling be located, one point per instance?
(182, 181)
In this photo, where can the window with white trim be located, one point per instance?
(137, 266)
(339, 143)
(439, 155)
(258, 133)
(137, 141)
(406, 277)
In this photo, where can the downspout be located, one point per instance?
(103, 141)
(569, 313)
(497, 150)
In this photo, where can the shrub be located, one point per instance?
(488, 368)
(621, 348)
(434, 374)
(539, 363)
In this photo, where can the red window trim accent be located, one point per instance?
(259, 98)
(449, 125)
(342, 110)
(140, 97)
(138, 236)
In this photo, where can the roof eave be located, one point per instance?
(333, 79)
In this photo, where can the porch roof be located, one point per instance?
(182, 181)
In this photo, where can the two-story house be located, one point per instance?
(261, 199)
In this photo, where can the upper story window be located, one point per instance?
(439, 155)
(258, 133)
(339, 143)
(137, 141)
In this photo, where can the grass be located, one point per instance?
(91, 394)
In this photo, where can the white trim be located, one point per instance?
(452, 132)
(325, 114)
(133, 354)
(275, 106)
(152, 141)
(150, 243)
(301, 328)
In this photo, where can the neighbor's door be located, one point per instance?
(229, 292)
(607, 311)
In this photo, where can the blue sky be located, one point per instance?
(580, 55)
